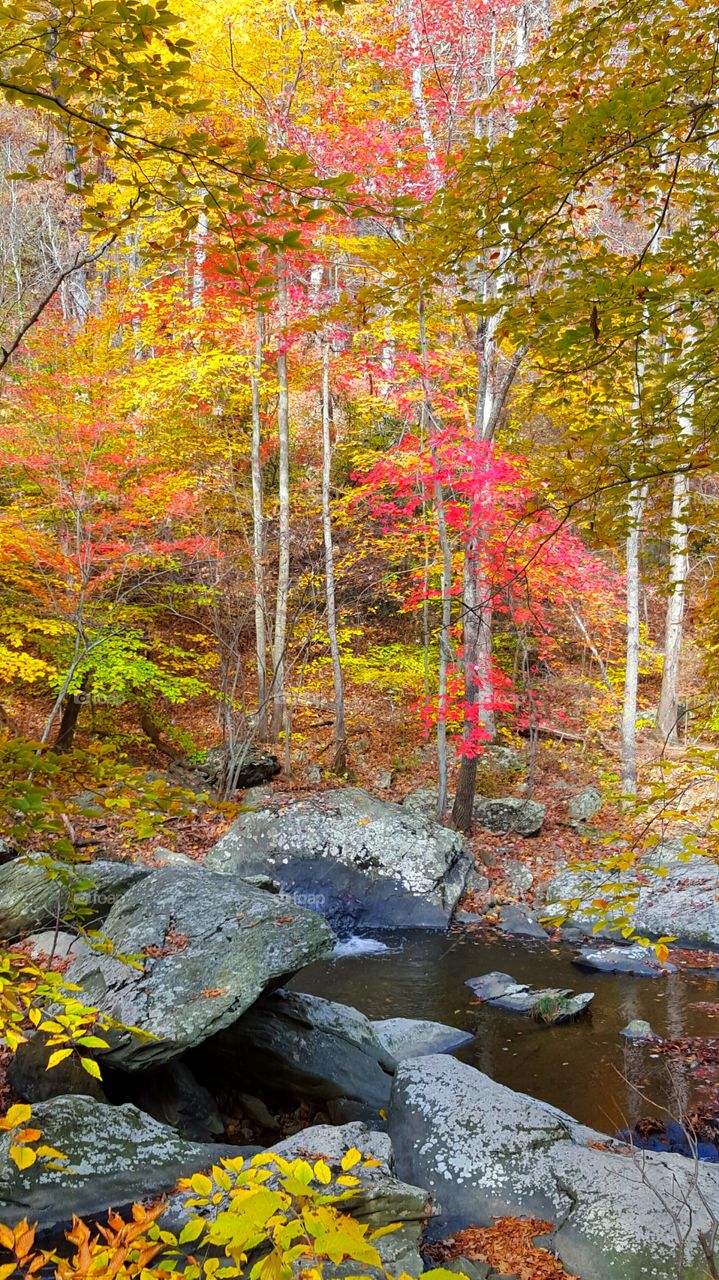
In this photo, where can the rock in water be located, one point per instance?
(211, 943)
(483, 1150)
(36, 891)
(642, 961)
(305, 1047)
(550, 1006)
(509, 815)
(363, 863)
(639, 1030)
(115, 1155)
(414, 1037)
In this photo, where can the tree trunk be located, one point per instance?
(417, 93)
(71, 709)
(477, 644)
(668, 708)
(636, 501)
(198, 273)
(339, 763)
(279, 638)
(258, 535)
(427, 424)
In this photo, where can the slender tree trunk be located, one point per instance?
(200, 254)
(279, 637)
(68, 723)
(668, 708)
(445, 648)
(339, 764)
(477, 601)
(477, 593)
(417, 92)
(636, 502)
(258, 534)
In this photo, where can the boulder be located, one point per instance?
(509, 815)
(56, 943)
(584, 806)
(682, 901)
(305, 1047)
(257, 768)
(501, 759)
(380, 1200)
(31, 1080)
(363, 863)
(641, 961)
(518, 875)
(415, 1037)
(36, 891)
(483, 1150)
(212, 944)
(519, 922)
(550, 1005)
(114, 1155)
(640, 1031)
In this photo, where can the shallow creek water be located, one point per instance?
(585, 1067)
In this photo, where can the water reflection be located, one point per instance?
(586, 1067)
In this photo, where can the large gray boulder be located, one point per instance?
(483, 1150)
(382, 1198)
(114, 1156)
(305, 1047)
(360, 861)
(672, 895)
(37, 891)
(211, 945)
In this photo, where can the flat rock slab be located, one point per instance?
(361, 862)
(415, 1037)
(483, 1150)
(551, 1005)
(115, 1155)
(641, 961)
(211, 945)
(37, 891)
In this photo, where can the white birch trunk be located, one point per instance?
(340, 755)
(279, 637)
(668, 707)
(258, 534)
(199, 257)
(636, 502)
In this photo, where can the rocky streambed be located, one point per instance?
(251, 1028)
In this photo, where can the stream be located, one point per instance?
(586, 1067)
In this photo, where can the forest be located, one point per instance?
(359, 617)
